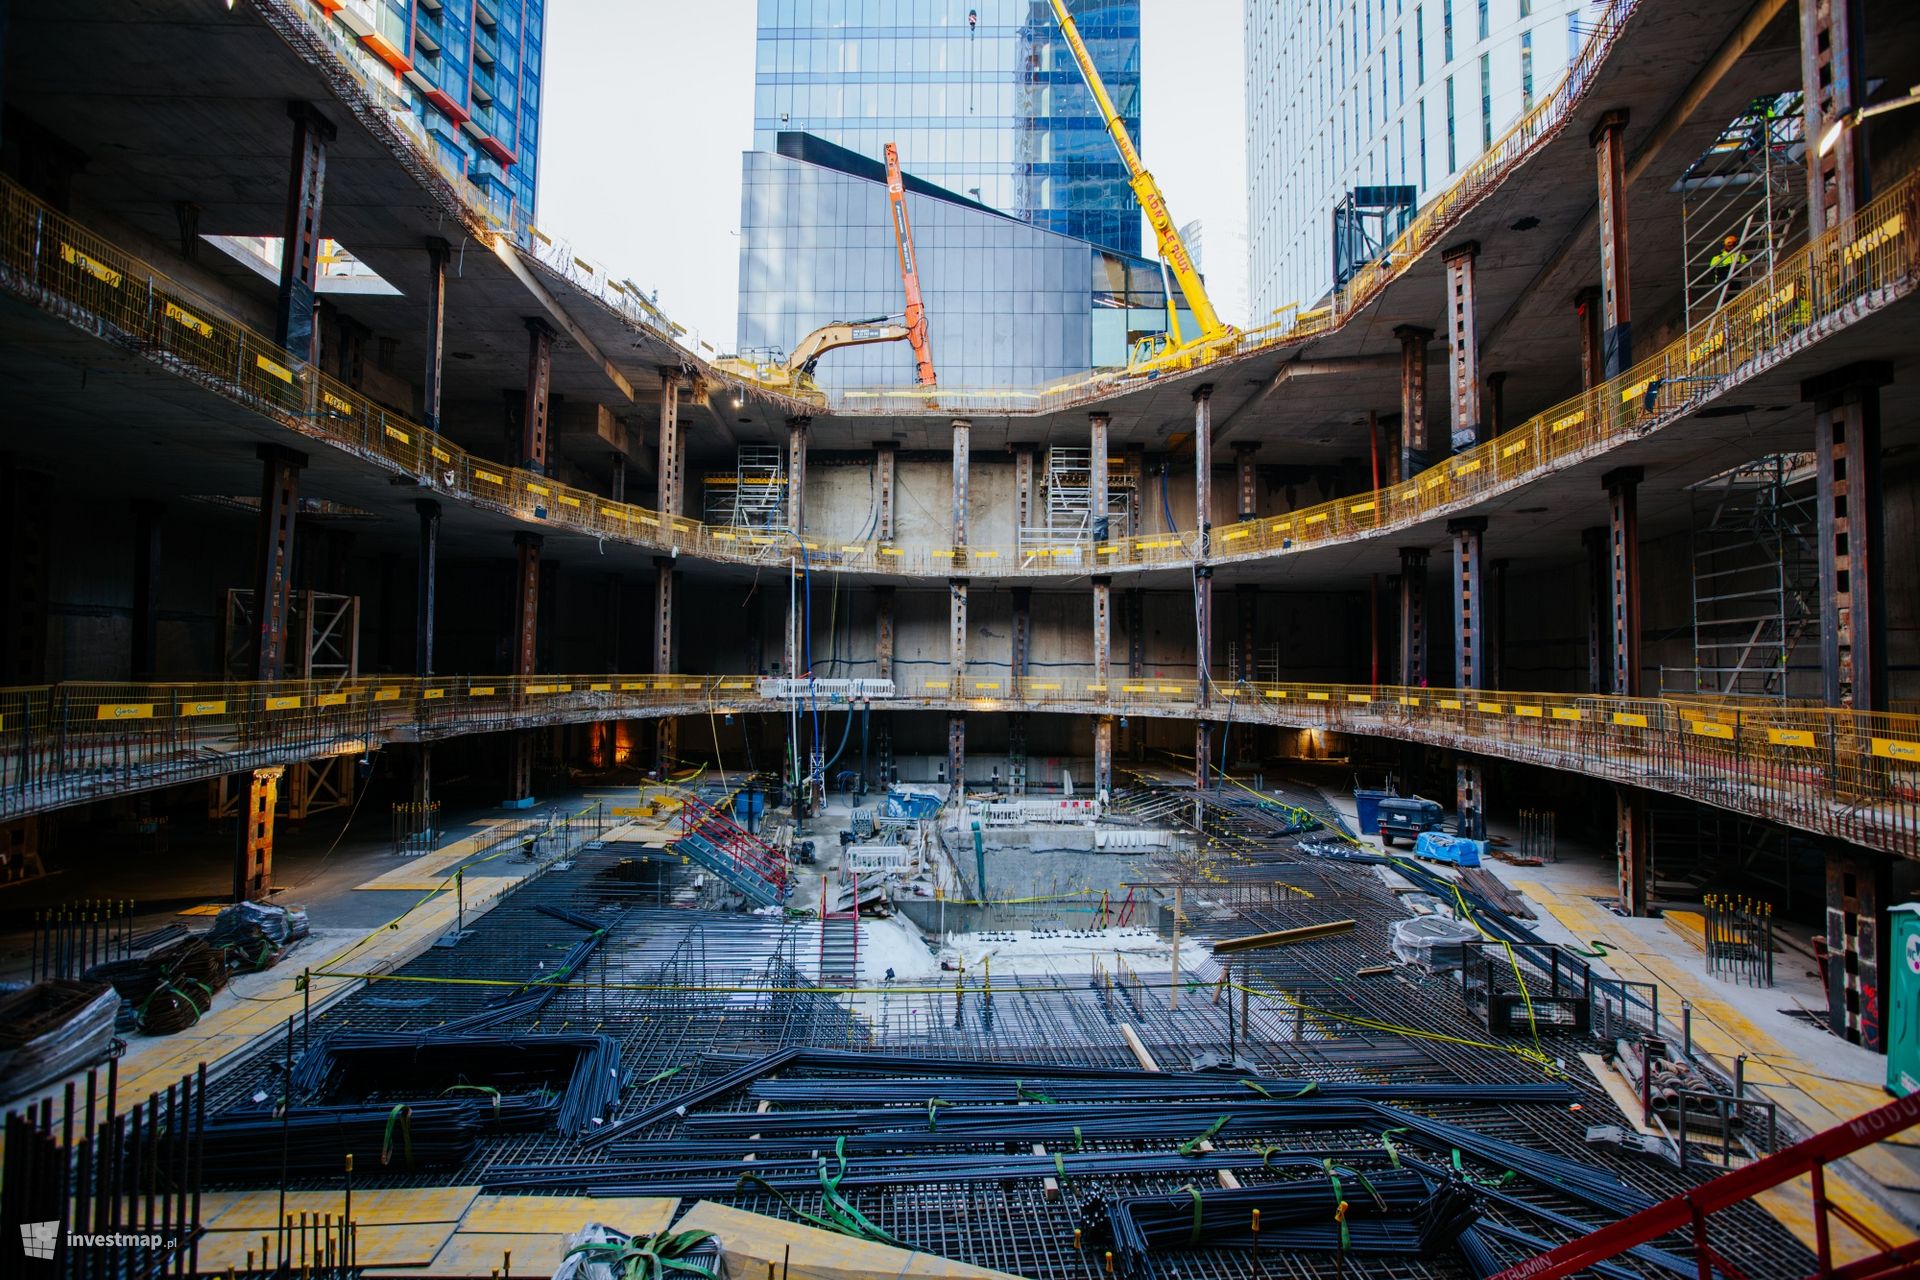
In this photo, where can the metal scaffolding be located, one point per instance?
(1068, 510)
(1743, 202)
(326, 627)
(1756, 583)
(753, 495)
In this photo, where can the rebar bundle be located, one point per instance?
(1740, 938)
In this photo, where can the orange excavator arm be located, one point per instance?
(916, 317)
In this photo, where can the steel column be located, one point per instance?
(1496, 404)
(956, 757)
(1103, 638)
(1202, 757)
(885, 453)
(1853, 626)
(1859, 891)
(300, 231)
(1022, 638)
(1833, 82)
(1616, 311)
(1203, 633)
(1631, 846)
(1414, 442)
(147, 516)
(533, 412)
(273, 558)
(1097, 488)
(667, 733)
(957, 669)
(670, 468)
(1022, 491)
(526, 637)
(1413, 616)
(1102, 758)
(1136, 607)
(1246, 598)
(962, 452)
(1623, 577)
(1390, 425)
(1469, 623)
(426, 579)
(1203, 472)
(1463, 349)
(438, 253)
(1247, 506)
(797, 473)
(253, 872)
(617, 476)
(1593, 359)
(883, 632)
(1595, 542)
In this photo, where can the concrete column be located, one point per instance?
(883, 633)
(1833, 82)
(1631, 846)
(797, 474)
(1463, 350)
(273, 557)
(1247, 506)
(1102, 758)
(1623, 577)
(1469, 623)
(667, 493)
(1859, 891)
(1023, 487)
(533, 412)
(1246, 598)
(1203, 472)
(1413, 616)
(667, 729)
(1097, 426)
(1593, 359)
(300, 251)
(1616, 311)
(1853, 625)
(962, 436)
(438, 253)
(1594, 542)
(426, 578)
(884, 457)
(526, 639)
(1021, 642)
(147, 516)
(1414, 443)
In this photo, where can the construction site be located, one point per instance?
(1427, 785)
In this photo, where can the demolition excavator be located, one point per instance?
(795, 373)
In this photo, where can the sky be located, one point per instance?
(648, 105)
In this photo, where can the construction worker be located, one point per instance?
(1729, 260)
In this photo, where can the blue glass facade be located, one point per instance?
(474, 67)
(1009, 304)
(982, 97)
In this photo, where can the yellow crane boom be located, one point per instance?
(1172, 250)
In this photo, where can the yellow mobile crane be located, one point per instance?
(1164, 351)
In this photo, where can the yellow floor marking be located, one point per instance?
(425, 871)
(244, 1210)
(205, 909)
(636, 1215)
(1791, 1204)
(1690, 925)
(390, 1245)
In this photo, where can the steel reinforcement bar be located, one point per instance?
(1855, 775)
(69, 271)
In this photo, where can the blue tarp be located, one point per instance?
(1458, 850)
(910, 804)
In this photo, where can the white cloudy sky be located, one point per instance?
(649, 103)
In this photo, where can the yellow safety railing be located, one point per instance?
(48, 256)
(1838, 772)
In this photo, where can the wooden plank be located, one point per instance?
(1282, 937)
(1140, 1054)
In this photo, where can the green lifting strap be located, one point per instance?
(1199, 1209)
(1192, 1145)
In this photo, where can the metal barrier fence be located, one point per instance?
(67, 269)
(1836, 772)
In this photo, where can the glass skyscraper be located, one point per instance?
(982, 97)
